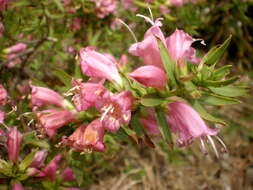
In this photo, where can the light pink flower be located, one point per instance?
(3, 4)
(150, 76)
(2, 116)
(17, 186)
(49, 172)
(116, 110)
(189, 126)
(68, 175)
(178, 3)
(105, 7)
(76, 24)
(3, 95)
(39, 159)
(53, 119)
(150, 123)
(88, 95)
(17, 48)
(1, 29)
(148, 49)
(95, 64)
(164, 9)
(179, 46)
(14, 139)
(87, 137)
(44, 96)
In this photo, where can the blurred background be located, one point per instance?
(55, 30)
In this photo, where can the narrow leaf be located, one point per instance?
(168, 63)
(27, 161)
(230, 91)
(63, 76)
(163, 125)
(215, 53)
(204, 114)
(231, 80)
(216, 100)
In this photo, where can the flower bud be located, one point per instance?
(17, 48)
(14, 139)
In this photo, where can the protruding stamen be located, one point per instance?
(129, 29)
(203, 147)
(146, 18)
(222, 143)
(213, 146)
(151, 14)
(105, 112)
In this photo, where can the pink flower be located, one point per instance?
(39, 159)
(49, 171)
(17, 186)
(148, 49)
(178, 3)
(164, 9)
(88, 94)
(150, 76)
(116, 110)
(3, 4)
(95, 64)
(87, 138)
(185, 121)
(150, 123)
(1, 29)
(17, 48)
(68, 175)
(76, 24)
(105, 7)
(179, 46)
(14, 139)
(43, 96)
(3, 95)
(53, 119)
(2, 116)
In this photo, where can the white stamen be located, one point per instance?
(222, 143)
(213, 146)
(146, 18)
(203, 147)
(30, 122)
(129, 29)
(151, 15)
(105, 112)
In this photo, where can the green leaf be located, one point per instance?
(231, 80)
(168, 63)
(59, 5)
(63, 76)
(137, 126)
(163, 125)
(230, 91)
(204, 114)
(30, 138)
(215, 53)
(216, 100)
(150, 101)
(221, 72)
(27, 161)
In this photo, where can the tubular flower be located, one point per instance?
(39, 159)
(68, 175)
(87, 95)
(19, 47)
(179, 46)
(14, 138)
(150, 123)
(95, 64)
(17, 186)
(185, 121)
(87, 138)
(116, 110)
(53, 119)
(150, 76)
(105, 7)
(49, 171)
(3, 95)
(42, 96)
(148, 49)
